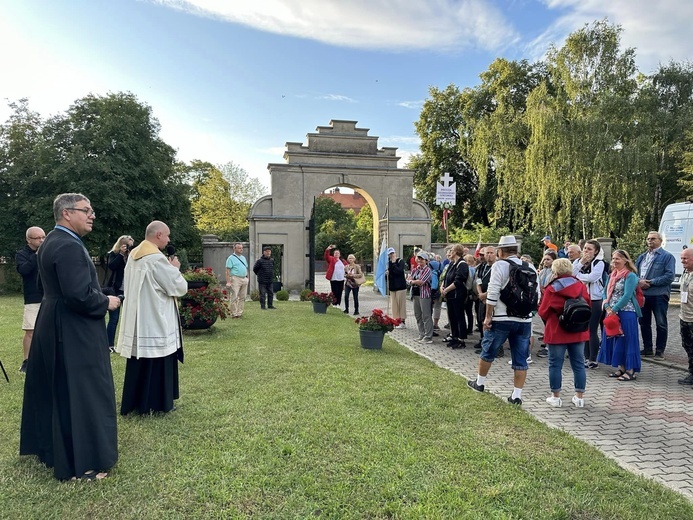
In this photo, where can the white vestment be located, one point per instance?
(149, 323)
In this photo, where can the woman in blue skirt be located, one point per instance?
(622, 352)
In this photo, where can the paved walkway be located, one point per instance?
(646, 426)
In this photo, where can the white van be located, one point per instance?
(676, 229)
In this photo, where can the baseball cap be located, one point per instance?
(391, 250)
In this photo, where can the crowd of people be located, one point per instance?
(575, 303)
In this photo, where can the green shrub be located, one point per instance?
(283, 295)
(303, 295)
(255, 296)
(12, 283)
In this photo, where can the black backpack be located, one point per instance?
(576, 311)
(520, 293)
(576, 315)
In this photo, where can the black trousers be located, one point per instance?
(266, 289)
(469, 311)
(458, 327)
(687, 341)
(355, 292)
(337, 289)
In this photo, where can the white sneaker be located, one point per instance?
(578, 402)
(555, 401)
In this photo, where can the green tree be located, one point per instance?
(665, 113)
(107, 147)
(221, 199)
(333, 225)
(586, 151)
(20, 187)
(362, 237)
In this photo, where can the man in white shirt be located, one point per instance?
(501, 324)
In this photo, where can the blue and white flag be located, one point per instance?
(381, 269)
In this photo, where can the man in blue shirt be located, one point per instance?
(656, 270)
(237, 280)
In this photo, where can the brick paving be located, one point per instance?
(645, 426)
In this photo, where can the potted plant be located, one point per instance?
(200, 277)
(372, 328)
(205, 301)
(321, 301)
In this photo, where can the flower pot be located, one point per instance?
(198, 324)
(319, 308)
(371, 339)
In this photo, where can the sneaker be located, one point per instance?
(688, 380)
(426, 341)
(592, 364)
(472, 384)
(659, 355)
(556, 402)
(543, 352)
(112, 350)
(517, 400)
(401, 326)
(587, 364)
(530, 360)
(578, 402)
(647, 353)
(23, 367)
(458, 345)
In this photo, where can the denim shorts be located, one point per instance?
(517, 333)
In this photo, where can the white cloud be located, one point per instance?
(416, 105)
(395, 24)
(659, 31)
(337, 97)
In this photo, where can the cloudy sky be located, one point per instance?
(233, 80)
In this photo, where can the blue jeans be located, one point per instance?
(576, 351)
(517, 333)
(657, 305)
(113, 317)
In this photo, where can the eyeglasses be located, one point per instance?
(37, 238)
(88, 212)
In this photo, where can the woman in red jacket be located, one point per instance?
(565, 286)
(335, 272)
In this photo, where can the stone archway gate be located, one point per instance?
(337, 155)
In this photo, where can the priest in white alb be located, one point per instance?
(150, 334)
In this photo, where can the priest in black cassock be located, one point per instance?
(69, 412)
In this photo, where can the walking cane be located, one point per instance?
(3, 371)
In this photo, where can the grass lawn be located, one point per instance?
(283, 415)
